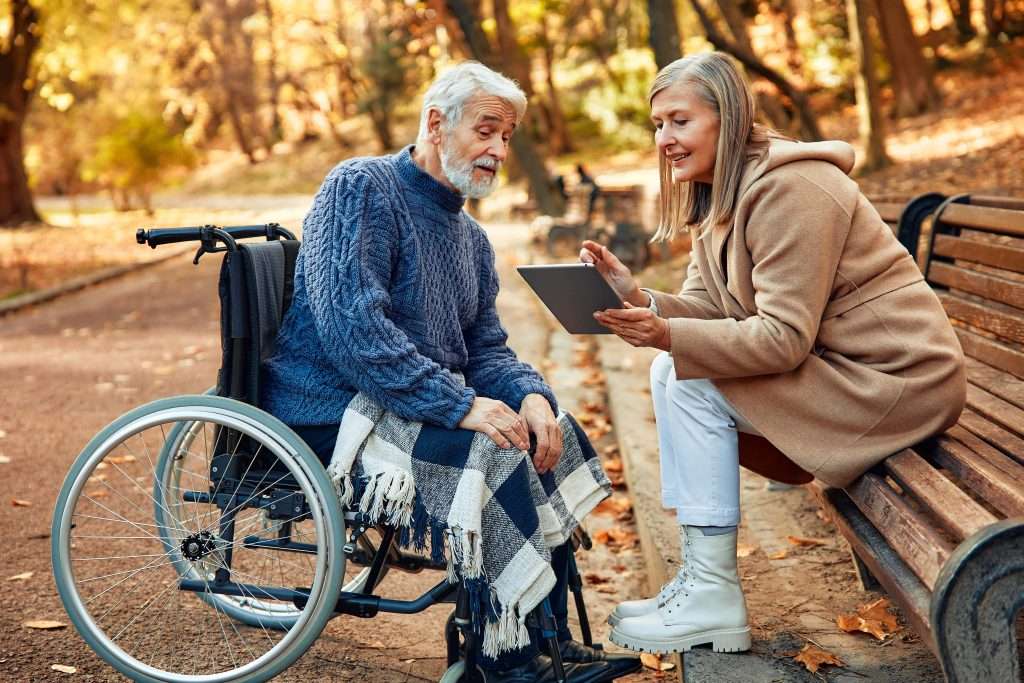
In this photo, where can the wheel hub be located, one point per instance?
(198, 545)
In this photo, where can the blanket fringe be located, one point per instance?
(388, 498)
(506, 634)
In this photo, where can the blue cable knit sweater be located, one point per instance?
(394, 289)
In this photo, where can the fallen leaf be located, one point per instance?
(24, 576)
(64, 669)
(781, 555)
(617, 479)
(45, 624)
(654, 662)
(805, 542)
(873, 617)
(745, 550)
(2, 433)
(610, 450)
(593, 407)
(615, 538)
(813, 658)
(4, 460)
(608, 589)
(614, 506)
(18, 503)
(97, 494)
(121, 459)
(586, 419)
(613, 465)
(594, 579)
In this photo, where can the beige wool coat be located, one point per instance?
(814, 322)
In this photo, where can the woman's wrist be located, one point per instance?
(639, 298)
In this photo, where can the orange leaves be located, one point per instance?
(19, 503)
(874, 618)
(805, 542)
(814, 658)
(616, 539)
(619, 507)
(654, 662)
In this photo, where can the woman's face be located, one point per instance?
(686, 132)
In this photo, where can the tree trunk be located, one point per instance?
(557, 126)
(15, 63)
(913, 82)
(274, 83)
(872, 127)
(523, 143)
(514, 61)
(993, 22)
(769, 103)
(663, 34)
(809, 129)
(961, 11)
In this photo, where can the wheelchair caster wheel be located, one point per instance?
(456, 674)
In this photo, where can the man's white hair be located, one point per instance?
(452, 89)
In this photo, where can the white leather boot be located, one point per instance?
(708, 607)
(638, 608)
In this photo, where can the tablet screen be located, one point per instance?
(573, 292)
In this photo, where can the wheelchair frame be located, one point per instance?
(238, 380)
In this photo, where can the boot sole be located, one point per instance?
(721, 640)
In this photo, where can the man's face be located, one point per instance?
(473, 150)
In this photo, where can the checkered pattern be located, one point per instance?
(499, 518)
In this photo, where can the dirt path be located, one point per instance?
(70, 367)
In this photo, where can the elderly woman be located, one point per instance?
(802, 324)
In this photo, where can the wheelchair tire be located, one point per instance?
(456, 674)
(249, 611)
(99, 529)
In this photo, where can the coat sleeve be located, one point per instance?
(795, 230)
(351, 235)
(692, 302)
(493, 370)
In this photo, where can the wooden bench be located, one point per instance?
(941, 526)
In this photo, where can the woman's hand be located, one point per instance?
(613, 270)
(498, 421)
(638, 326)
(540, 420)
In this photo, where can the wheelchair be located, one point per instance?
(198, 538)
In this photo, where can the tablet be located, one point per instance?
(573, 292)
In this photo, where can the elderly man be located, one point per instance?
(393, 331)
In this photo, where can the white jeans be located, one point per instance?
(700, 466)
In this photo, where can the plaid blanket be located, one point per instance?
(486, 510)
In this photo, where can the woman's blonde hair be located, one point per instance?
(717, 81)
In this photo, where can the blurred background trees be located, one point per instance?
(125, 96)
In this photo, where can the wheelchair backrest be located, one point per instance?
(255, 292)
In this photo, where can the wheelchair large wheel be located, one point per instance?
(179, 459)
(253, 516)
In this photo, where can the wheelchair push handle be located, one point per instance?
(211, 233)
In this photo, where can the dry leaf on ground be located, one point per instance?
(781, 555)
(874, 618)
(63, 668)
(654, 662)
(615, 538)
(745, 550)
(813, 658)
(805, 542)
(45, 624)
(613, 465)
(18, 503)
(610, 450)
(24, 576)
(120, 459)
(4, 460)
(593, 578)
(614, 506)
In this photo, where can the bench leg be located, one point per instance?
(976, 599)
(867, 580)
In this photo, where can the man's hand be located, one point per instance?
(638, 326)
(498, 421)
(536, 412)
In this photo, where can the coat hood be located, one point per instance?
(781, 152)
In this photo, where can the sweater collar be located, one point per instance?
(415, 177)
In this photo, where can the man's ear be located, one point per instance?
(434, 121)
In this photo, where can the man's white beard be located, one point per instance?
(460, 172)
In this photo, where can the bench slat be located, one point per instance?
(917, 542)
(997, 202)
(987, 253)
(997, 410)
(998, 437)
(887, 565)
(998, 319)
(996, 382)
(954, 508)
(984, 218)
(991, 352)
(987, 471)
(987, 286)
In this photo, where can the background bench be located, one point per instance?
(941, 526)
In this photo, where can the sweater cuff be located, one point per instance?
(464, 402)
(525, 387)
